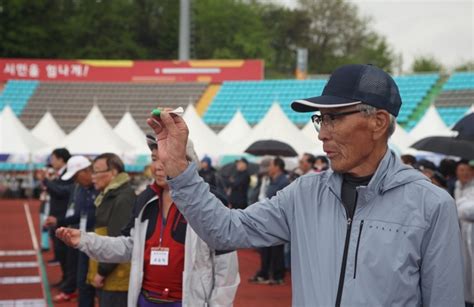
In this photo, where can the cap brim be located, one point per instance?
(68, 175)
(320, 102)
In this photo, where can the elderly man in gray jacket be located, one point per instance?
(368, 232)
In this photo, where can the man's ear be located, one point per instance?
(380, 123)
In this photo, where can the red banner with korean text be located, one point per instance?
(212, 71)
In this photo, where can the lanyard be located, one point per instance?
(162, 219)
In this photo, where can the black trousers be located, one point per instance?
(69, 283)
(60, 250)
(112, 298)
(272, 262)
(86, 291)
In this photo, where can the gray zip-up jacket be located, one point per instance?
(402, 247)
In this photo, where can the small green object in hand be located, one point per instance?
(156, 112)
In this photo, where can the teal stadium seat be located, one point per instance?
(16, 94)
(254, 98)
(456, 97)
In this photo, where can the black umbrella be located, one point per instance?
(447, 145)
(271, 148)
(465, 127)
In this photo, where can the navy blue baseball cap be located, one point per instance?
(354, 84)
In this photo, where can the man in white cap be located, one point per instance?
(80, 214)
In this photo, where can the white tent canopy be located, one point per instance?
(430, 124)
(95, 136)
(128, 129)
(401, 139)
(275, 125)
(470, 110)
(236, 130)
(310, 132)
(48, 130)
(206, 141)
(15, 138)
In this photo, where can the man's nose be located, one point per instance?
(323, 133)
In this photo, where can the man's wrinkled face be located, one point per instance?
(157, 169)
(304, 165)
(102, 176)
(84, 177)
(56, 162)
(347, 140)
(204, 165)
(241, 166)
(464, 173)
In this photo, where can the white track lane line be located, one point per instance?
(17, 253)
(35, 244)
(23, 303)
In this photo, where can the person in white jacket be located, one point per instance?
(171, 265)
(464, 195)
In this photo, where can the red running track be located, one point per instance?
(15, 235)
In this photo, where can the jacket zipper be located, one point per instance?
(344, 261)
(357, 248)
(344, 255)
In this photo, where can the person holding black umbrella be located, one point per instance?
(370, 231)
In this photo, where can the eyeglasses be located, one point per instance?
(328, 119)
(100, 172)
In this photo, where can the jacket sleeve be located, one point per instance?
(226, 279)
(57, 188)
(106, 249)
(441, 262)
(70, 220)
(118, 219)
(262, 224)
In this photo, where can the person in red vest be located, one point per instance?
(171, 265)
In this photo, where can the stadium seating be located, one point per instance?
(69, 102)
(456, 98)
(254, 98)
(413, 89)
(16, 94)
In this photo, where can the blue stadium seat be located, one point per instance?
(16, 94)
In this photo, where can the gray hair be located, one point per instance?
(370, 110)
(191, 155)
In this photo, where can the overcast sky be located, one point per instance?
(441, 28)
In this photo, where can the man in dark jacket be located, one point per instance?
(272, 268)
(207, 171)
(239, 185)
(81, 217)
(59, 192)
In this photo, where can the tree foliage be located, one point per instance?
(339, 35)
(426, 63)
(332, 30)
(467, 66)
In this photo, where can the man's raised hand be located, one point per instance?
(172, 135)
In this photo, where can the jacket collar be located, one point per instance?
(390, 173)
(157, 192)
(116, 183)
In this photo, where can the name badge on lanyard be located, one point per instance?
(70, 211)
(159, 256)
(83, 223)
